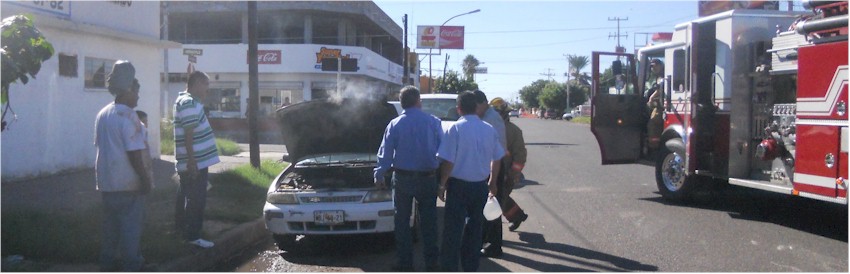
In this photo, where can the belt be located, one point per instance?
(412, 173)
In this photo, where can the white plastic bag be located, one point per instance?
(492, 210)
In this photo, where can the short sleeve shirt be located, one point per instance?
(189, 112)
(470, 144)
(117, 131)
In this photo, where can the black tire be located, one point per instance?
(670, 176)
(284, 242)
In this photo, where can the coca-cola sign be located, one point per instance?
(451, 37)
(440, 37)
(268, 57)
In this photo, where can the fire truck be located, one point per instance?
(754, 98)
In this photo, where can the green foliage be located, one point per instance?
(452, 83)
(227, 147)
(578, 94)
(244, 186)
(469, 65)
(23, 51)
(166, 137)
(581, 120)
(554, 96)
(529, 94)
(578, 63)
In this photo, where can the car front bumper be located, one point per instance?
(359, 218)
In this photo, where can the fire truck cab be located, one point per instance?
(748, 99)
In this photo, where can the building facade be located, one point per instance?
(52, 127)
(293, 39)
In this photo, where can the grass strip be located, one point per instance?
(73, 235)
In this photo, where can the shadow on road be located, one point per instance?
(548, 144)
(812, 216)
(524, 183)
(535, 243)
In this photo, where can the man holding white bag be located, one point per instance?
(471, 157)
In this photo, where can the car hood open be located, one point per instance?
(327, 126)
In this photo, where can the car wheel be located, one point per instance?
(284, 242)
(670, 176)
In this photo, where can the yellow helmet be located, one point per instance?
(500, 104)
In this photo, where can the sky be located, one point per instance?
(520, 42)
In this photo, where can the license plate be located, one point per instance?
(329, 217)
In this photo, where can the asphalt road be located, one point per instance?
(588, 217)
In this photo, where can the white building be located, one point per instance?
(293, 37)
(54, 125)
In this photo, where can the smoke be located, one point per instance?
(360, 90)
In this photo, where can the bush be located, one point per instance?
(227, 147)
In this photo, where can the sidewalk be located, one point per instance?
(73, 191)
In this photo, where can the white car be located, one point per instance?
(568, 116)
(442, 105)
(329, 187)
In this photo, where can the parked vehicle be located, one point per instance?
(551, 114)
(442, 105)
(568, 116)
(329, 187)
(514, 113)
(742, 104)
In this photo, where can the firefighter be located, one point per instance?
(655, 104)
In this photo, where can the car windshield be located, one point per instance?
(339, 158)
(443, 108)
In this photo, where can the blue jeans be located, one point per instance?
(424, 190)
(123, 213)
(191, 201)
(463, 199)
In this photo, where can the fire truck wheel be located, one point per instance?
(670, 176)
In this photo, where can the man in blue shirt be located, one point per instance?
(410, 148)
(471, 156)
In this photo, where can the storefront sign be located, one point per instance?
(62, 8)
(268, 57)
(197, 52)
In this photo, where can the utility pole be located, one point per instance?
(569, 71)
(549, 74)
(253, 86)
(618, 19)
(404, 79)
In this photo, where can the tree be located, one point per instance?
(23, 51)
(469, 65)
(529, 94)
(452, 83)
(578, 63)
(554, 96)
(578, 94)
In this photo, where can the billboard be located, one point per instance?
(440, 37)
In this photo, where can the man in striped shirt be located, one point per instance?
(195, 152)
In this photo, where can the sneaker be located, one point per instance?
(201, 243)
(516, 224)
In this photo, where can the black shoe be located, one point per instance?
(492, 252)
(400, 268)
(515, 225)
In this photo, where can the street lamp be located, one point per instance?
(430, 74)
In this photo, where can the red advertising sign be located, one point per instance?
(451, 37)
(268, 57)
(437, 37)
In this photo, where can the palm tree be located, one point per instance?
(577, 63)
(469, 65)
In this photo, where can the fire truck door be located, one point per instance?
(618, 111)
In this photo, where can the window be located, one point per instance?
(67, 65)
(96, 71)
(679, 71)
(223, 99)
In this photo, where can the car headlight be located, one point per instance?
(281, 198)
(377, 196)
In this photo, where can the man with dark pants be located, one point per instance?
(120, 173)
(493, 229)
(471, 154)
(195, 151)
(410, 147)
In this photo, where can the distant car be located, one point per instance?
(442, 105)
(551, 114)
(514, 113)
(329, 187)
(568, 116)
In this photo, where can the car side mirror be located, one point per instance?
(617, 67)
(286, 158)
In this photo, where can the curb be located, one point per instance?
(238, 238)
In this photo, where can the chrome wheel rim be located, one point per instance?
(673, 171)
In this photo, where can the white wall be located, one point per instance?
(54, 130)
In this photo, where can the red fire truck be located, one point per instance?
(754, 98)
